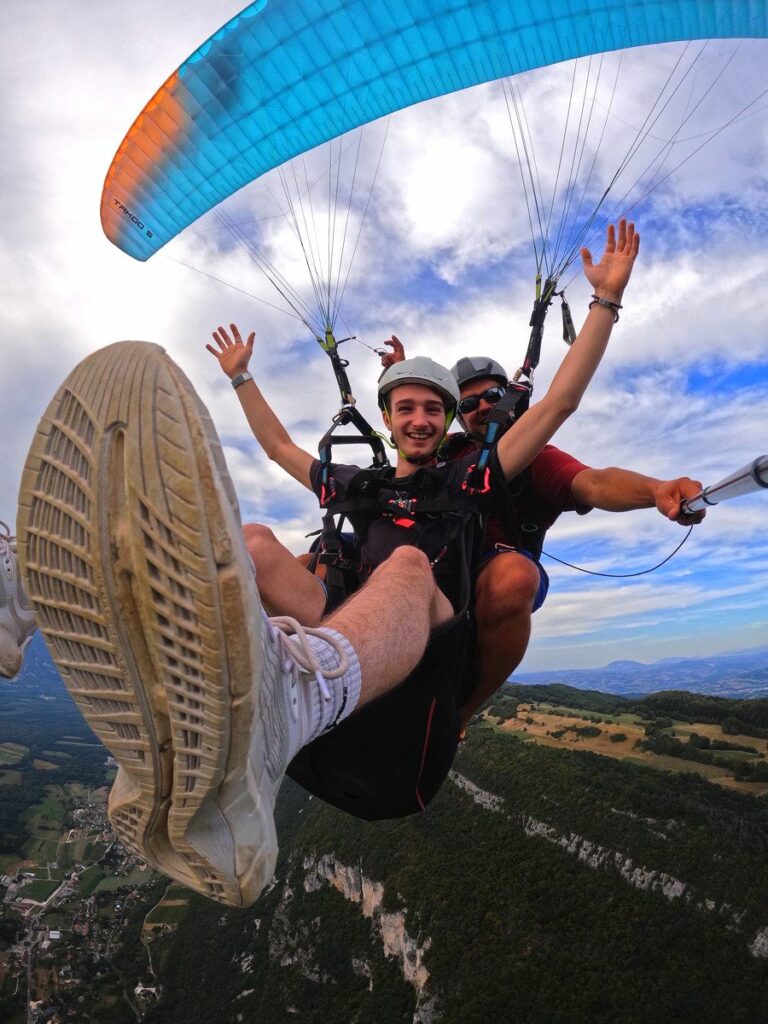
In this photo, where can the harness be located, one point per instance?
(514, 502)
(390, 758)
(435, 521)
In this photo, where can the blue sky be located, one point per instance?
(445, 262)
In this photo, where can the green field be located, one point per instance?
(165, 913)
(50, 815)
(138, 876)
(12, 753)
(111, 882)
(733, 755)
(40, 849)
(84, 850)
(175, 891)
(40, 889)
(554, 726)
(43, 872)
(79, 792)
(677, 764)
(8, 777)
(90, 879)
(590, 716)
(57, 919)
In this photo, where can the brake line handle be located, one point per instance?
(752, 477)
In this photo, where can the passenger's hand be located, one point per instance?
(233, 353)
(609, 277)
(397, 355)
(669, 495)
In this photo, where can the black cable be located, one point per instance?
(620, 575)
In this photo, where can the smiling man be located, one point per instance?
(509, 589)
(391, 758)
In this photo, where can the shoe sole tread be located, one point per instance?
(128, 532)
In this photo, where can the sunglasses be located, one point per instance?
(472, 402)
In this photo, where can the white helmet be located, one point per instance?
(421, 370)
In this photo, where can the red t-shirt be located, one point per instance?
(551, 474)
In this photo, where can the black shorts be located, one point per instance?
(389, 759)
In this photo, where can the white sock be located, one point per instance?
(344, 691)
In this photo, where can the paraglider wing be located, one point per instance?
(284, 76)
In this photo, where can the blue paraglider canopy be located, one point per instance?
(285, 76)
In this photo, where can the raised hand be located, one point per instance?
(397, 355)
(233, 353)
(609, 277)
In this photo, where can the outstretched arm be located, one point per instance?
(619, 490)
(522, 443)
(234, 355)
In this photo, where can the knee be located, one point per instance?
(258, 540)
(507, 590)
(410, 559)
(406, 564)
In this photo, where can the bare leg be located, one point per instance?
(305, 558)
(286, 586)
(505, 592)
(401, 600)
(389, 620)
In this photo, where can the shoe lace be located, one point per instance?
(293, 639)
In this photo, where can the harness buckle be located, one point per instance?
(337, 561)
(406, 523)
(443, 551)
(405, 504)
(327, 492)
(485, 482)
(402, 511)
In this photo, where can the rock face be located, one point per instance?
(759, 947)
(397, 943)
(292, 945)
(480, 796)
(594, 856)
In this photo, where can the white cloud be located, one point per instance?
(444, 262)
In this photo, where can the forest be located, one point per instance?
(587, 889)
(516, 926)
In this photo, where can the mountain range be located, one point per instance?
(736, 674)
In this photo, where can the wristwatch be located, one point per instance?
(241, 378)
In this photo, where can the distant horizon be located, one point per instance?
(645, 664)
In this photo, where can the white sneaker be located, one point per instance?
(295, 674)
(133, 554)
(17, 619)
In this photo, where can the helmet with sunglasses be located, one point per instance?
(491, 395)
(478, 368)
(421, 370)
